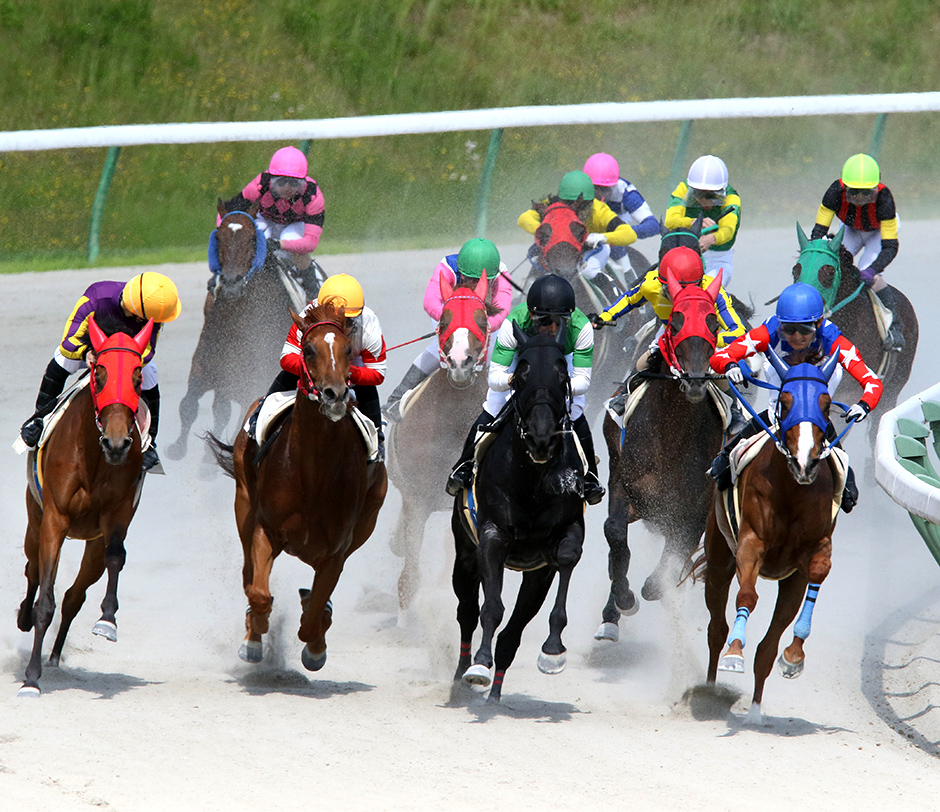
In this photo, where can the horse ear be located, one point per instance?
(142, 339)
(520, 336)
(97, 335)
(298, 320)
(714, 287)
(830, 366)
(447, 289)
(481, 287)
(777, 362)
(221, 208)
(663, 231)
(672, 286)
(696, 227)
(801, 236)
(836, 243)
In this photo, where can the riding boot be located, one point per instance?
(850, 489)
(737, 419)
(152, 399)
(53, 382)
(593, 490)
(894, 339)
(414, 376)
(606, 286)
(461, 475)
(720, 471)
(367, 398)
(284, 381)
(618, 403)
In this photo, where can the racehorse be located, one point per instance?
(245, 321)
(312, 493)
(830, 268)
(527, 514)
(659, 458)
(85, 484)
(784, 515)
(559, 242)
(424, 443)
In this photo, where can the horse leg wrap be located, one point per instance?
(740, 621)
(803, 623)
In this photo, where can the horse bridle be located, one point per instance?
(553, 400)
(309, 387)
(94, 391)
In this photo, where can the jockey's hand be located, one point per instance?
(706, 241)
(859, 411)
(594, 239)
(734, 374)
(273, 245)
(600, 320)
(867, 275)
(90, 359)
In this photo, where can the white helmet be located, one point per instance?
(708, 173)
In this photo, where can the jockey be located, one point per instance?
(624, 201)
(290, 212)
(686, 267)
(368, 349)
(604, 227)
(477, 256)
(549, 307)
(866, 206)
(149, 295)
(706, 192)
(798, 332)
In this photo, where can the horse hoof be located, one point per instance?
(608, 631)
(251, 651)
(175, 452)
(789, 670)
(732, 662)
(552, 663)
(633, 606)
(312, 662)
(652, 590)
(477, 674)
(105, 629)
(28, 692)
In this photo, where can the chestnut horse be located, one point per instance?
(658, 460)
(87, 479)
(313, 494)
(245, 321)
(423, 445)
(528, 506)
(784, 531)
(829, 267)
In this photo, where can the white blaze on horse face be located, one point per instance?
(235, 226)
(804, 445)
(329, 338)
(460, 347)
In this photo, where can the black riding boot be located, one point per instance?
(850, 490)
(413, 377)
(721, 465)
(53, 382)
(461, 475)
(894, 339)
(369, 405)
(593, 490)
(152, 399)
(606, 286)
(284, 382)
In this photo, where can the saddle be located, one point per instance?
(411, 396)
(742, 455)
(640, 388)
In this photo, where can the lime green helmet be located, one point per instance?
(476, 256)
(861, 172)
(574, 184)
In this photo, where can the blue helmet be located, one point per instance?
(800, 303)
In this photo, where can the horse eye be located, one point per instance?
(711, 322)
(676, 322)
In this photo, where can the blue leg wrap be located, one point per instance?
(803, 623)
(740, 621)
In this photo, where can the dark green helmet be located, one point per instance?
(574, 184)
(478, 255)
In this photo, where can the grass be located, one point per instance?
(90, 62)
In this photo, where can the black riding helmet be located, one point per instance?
(551, 295)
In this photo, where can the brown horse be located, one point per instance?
(88, 481)
(245, 321)
(312, 494)
(784, 531)
(658, 460)
(424, 444)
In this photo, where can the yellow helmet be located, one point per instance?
(151, 295)
(346, 291)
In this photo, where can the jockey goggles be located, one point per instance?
(286, 188)
(708, 198)
(548, 319)
(792, 328)
(860, 197)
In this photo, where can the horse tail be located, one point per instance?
(696, 565)
(223, 453)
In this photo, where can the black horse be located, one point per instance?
(246, 320)
(529, 516)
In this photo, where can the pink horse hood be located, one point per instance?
(434, 300)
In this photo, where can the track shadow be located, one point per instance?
(102, 685)
(513, 706)
(264, 681)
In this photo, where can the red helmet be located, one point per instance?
(685, 265)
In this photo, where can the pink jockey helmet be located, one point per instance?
(603, 169)
(289, 162)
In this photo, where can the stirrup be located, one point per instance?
(594, 492)
(31, 431)
(460, 478)
(720, 470)
(894, 340)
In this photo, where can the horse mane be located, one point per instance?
(490, 308)
(326, 311)
(541, 205)
(111, 324)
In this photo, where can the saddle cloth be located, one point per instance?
(744, 453)
(883, 316)
(633, 400)
(278, 403)
(411, 396)
(50, 420)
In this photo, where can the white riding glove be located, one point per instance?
(734, 374)
(594, 239)
(859, 411)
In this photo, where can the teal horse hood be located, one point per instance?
(820, 265)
